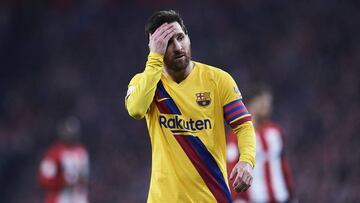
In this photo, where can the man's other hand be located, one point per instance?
(243, 174)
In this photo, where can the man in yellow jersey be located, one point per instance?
(186, 104)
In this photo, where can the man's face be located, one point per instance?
(178, 53)
(261, 106)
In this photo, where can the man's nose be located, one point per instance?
(177, 45)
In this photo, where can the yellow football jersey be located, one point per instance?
(186, 126)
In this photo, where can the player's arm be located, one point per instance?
(245, 133)
(242, 171)
(142, 87)
(237, 116)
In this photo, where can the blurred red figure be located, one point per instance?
(272, 178)
(64, 169)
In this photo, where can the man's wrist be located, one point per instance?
(155, 61)
(155, 54)
(248, 162)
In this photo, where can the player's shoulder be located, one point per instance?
(211, 71)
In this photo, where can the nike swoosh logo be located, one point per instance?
(162, 99)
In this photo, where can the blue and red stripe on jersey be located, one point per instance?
(235, 113)
(164, 102)
(206, 165)
(196, 151)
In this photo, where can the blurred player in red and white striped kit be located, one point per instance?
(64, 169)
(272, 177)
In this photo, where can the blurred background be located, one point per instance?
(76, 57)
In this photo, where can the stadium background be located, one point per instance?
(68, 57)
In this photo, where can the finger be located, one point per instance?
(246, 177)
(240, 187)
(159, 29)
(247, 180)
(233, 173)
(246, 188)
(166, 32)
(251, 180)
(169, 35)
(238, 178)
(164, 35)
(163, 28)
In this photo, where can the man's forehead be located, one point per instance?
(178, 28)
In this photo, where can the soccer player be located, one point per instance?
(64, 170)
(185, 104)
(272, 178)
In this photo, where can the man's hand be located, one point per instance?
(242, 172)
(158, 41)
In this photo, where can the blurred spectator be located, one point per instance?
(64, 169)
(272, 177)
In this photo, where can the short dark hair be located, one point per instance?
(257, 90)
(160, 17)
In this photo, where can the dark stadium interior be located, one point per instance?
(67, 57)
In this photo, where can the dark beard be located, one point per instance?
(178, 64)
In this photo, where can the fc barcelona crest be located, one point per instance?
(203, 98)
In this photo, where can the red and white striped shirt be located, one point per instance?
(64, 173)
(272, 179)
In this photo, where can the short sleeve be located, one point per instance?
(235, 112)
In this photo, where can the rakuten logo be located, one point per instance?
(178, 123)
